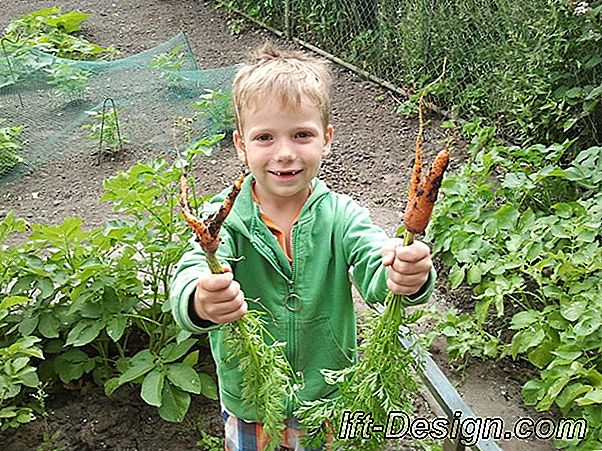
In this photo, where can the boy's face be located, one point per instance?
(283, 148)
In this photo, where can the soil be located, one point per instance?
(370, 161)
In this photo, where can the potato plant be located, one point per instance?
(522, 226)
(94, 304)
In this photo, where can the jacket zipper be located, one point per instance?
(292, 317)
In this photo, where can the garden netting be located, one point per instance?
(53, 104)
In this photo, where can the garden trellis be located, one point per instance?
(52, 102)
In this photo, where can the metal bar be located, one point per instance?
(102, 127)
(443, 391)
(10, 67)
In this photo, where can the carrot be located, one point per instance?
(417, 169)
(268, 378)
(207, 234)
(420, 206)
(214, 223)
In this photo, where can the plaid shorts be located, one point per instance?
(243, 436)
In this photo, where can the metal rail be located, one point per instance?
(444, 394)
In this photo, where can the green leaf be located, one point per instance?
(174, 403)
(596, 92)
(574, 93)
(28, 377)
(111, 385)
(587, 326)
(456, 276)
(72, 364)
(84, 332)
(533, 391)
(474, 274)
(116, 327)
(542, 354)
(192, 359)
(570, 393)
(208, 386)
(11, 301)
(184, 377)
(140, 364)
(49, 326)
(152, 387)
(29, 324)
(506, 217)
(572, 309)
(171, 353)
(592, 397)
(525, 319)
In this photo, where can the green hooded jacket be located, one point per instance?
(310, 301)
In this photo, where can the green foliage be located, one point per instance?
(106, 126)
(210, 442)
(216, 111)
(17, 371)
(170, 63)
(94, 303)
(381, 382)
(10, 146)
(541, 58)
(68, 80)
(268, 379)
(524, 230)
(51, 31)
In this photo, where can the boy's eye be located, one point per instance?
(263, 137)
(304, 135)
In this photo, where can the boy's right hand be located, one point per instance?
(218, 298)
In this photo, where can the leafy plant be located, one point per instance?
(52, 31)
(68, 80)
(95, 303)
(10, 146)
(380, 382)
(17, 371)
(524, 231)
(540, 58)
(216, 111)
(170, 63)
(105, 130)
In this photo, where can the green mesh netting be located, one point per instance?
(51, 101)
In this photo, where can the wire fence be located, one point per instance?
(505, 60)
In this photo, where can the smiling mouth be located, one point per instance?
(280, 173)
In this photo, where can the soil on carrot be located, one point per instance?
(370, 160)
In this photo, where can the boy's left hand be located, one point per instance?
(408, 266)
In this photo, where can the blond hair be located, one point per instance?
(286, 75)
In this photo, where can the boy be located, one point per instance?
(291, 242)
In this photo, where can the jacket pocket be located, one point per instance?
(318, 349)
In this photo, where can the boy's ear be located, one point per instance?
(328, 134)
(240, 146)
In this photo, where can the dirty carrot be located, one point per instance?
(267, 374)
(420, 206)
(417, 167)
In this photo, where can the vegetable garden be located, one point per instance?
(91, 235)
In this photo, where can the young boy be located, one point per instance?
(290, 242)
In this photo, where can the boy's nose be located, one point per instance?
(284, 151)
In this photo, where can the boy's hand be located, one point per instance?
(218, 298)
(409, 266)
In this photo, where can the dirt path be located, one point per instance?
(371, 157)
